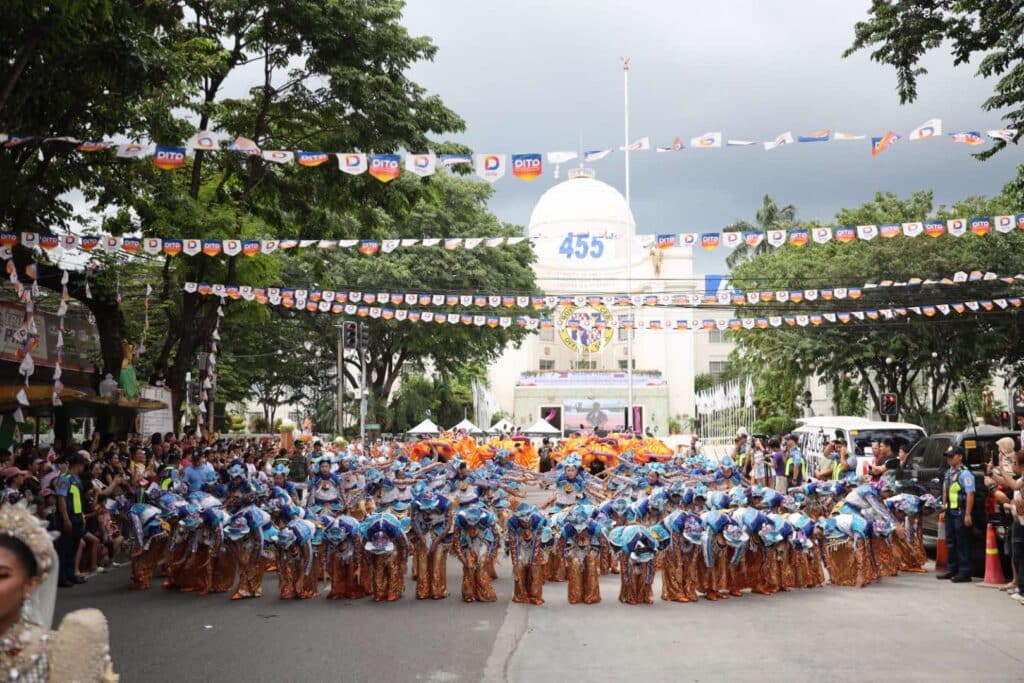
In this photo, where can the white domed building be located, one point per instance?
(574, 374)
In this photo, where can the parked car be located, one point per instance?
(815, 432)
(925, 471)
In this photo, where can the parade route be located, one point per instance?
(900, 624)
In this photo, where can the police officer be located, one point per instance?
(958, 497)
(70, 519)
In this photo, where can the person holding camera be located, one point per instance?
(839, 462)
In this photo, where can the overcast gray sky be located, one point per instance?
(534, 75)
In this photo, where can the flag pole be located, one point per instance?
(630, 423)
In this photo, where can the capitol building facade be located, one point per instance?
(574, 373)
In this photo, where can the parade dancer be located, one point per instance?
(528, 532)
(477, 538)
(240, 491)
(296, 577)
(580, 543)
(185, 551)
(387, 547)
(636, 548)
(679, 562)
(344, 558)
(432, 518)
(612, 513)
(150, 538)
(324, 486)
(249, 531)
(807, 568)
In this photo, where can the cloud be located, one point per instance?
(535, 75)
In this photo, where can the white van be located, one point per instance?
(815, 432)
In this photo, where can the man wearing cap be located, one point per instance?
(958, 498)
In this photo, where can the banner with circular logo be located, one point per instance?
(585, 329)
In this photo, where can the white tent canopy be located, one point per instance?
(502, 425)
(541, 428)
(425, 427)
(468, 427)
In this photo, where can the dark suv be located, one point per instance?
(925, 470)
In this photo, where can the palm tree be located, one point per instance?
(770, 216)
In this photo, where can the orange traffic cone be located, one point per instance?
(993, 567)
(941, 551)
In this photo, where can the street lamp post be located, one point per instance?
(629, 254)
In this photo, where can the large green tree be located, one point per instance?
(329, 76)
(89, 69)
(900, 33)
(924, 360)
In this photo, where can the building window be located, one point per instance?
(716, 368)
(584, 365)
(547, 335)
(623, 332)
(624, 364)
(716, 336)
(547, 364)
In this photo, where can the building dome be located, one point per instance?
(580, 201)
(580, 205)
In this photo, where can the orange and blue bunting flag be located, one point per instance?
(304, 158)
(889, 229)
(934, 228)
(168, 158)
(171, 247)
(845, 233)
(879, 145)
(980, 226)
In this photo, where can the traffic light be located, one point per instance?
(364, 335)
(350, 335)
(890, 405)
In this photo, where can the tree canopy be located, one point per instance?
(925, 361)
(900, 33)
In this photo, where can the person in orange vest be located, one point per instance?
(958, 498)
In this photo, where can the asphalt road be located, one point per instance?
(907, 628)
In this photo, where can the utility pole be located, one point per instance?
(339, 397)
(364, 344)
(630, 426)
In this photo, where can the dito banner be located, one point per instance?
(526, 166)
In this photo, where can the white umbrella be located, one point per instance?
(467, 426)
(541, 428)
(425, 427)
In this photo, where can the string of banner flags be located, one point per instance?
(491, 167)
(797, 237)
(300, 296)
(477, 319)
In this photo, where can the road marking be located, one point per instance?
(506, 641)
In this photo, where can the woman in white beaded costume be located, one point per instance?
(29, 652)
